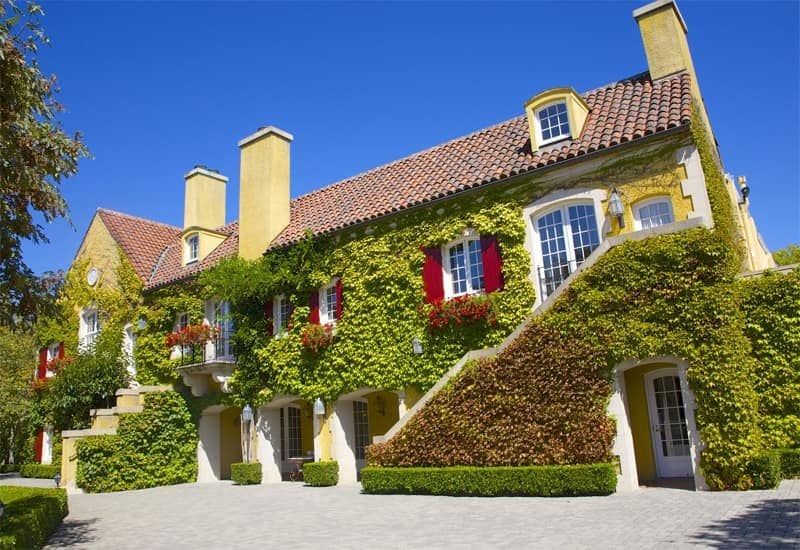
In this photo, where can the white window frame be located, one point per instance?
(52, 353)
(469, 235)
(88, 331)
(537, 122)
(637, 220)
(327, 317)
(192, 247)
(280, 326)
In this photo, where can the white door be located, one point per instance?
(291, 438)
(668, 424)
(361, 430)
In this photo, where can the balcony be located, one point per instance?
(87, 341)
(217, 351)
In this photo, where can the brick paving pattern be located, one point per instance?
(292, 516)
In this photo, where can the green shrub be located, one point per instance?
(246, 473)
(765, 470)
(8, 468)
(31, 515)
(575, 480)
(157, 446)
(790, 462)
(41, 471)
(321, 474)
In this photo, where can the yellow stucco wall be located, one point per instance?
(110, 421)
(204, 201)
(306, 426)
(207, 242)
(577, 110)
(325, 435)
(69, 461)
(382, 411)
(263, 193)
(412, 396)
(230, 440)
(100, 250)
(639, 416)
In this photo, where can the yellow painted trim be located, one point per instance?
(577, 110)
(209, 240)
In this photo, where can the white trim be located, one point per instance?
(694, 186)
(205, 172)
(658, 199)
(188, 241)
(277, 320)
(263, 132)
(469, 234)
(86, 335)
(537, 123)
(327, 317)
(662, 467)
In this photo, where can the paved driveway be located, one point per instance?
(291, 516)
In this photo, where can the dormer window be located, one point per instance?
(192, 248)
(555, 115)
(553, 122)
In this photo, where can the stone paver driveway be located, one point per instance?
(291, 516)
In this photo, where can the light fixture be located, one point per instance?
(142, 323)
(416, 346)
(319, 407)
(615, 207)
(57, 479)
(744, 188)
(247, 413)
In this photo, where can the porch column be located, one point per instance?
(342, 433)
(208, 446)
(628, 478)
(268, 434)
(402, 409)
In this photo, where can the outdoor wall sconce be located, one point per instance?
(416, 346)
(57, 480)
(142, 323)
(615, 207)
(319, 407)
(745, 189)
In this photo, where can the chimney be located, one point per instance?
(204, 201)
(263, 190)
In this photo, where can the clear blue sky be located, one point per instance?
(157, 88)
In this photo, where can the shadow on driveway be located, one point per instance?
(765, 524)
(72, 532)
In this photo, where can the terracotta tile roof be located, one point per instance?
(168, 269)
(141, 240)
(620, 112)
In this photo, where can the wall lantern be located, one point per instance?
(615, 207)
(57, 479)
(416, 346)
(142, 323)
(319, 407)
(745, 189)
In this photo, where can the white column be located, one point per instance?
(402, 409)
(343, 440)
(208, 447)
(47, 445)
(628, 479)
(268, 434)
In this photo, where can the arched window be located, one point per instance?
(652, 213)
(567, 236)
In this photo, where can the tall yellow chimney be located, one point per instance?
(263, 190)
(204, 199)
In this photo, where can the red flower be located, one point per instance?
(461, 310)
(317, 337)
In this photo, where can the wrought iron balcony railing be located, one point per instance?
(219, 349)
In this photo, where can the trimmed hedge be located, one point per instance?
(246, 473)
(8, 468)
(790, 462)
(765, 470)
(321, 474)
(573, 480)
(41, 471)
(31, 515)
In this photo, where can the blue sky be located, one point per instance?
(157, 88)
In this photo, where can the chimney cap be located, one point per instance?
(653, 6)
(264, 131)
(206, 171)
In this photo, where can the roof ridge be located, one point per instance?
(139, 218)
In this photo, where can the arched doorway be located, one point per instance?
(220, 442)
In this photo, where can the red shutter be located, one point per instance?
(492, 264)
(41, 372)
(338, 299)
(270, 320)
(313, 302)
(61, 350)
(37, 447)
(432, 274)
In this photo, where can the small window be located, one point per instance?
(361, 428)
(327, 303)
(192, 248)
(653, 213)
(91, 327)
(282, 311)
(553, 122)
(183, 321)
(465, 267)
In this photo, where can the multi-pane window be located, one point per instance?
(653, 214)
(671, 422)
(91, 326)
(291, 440)
(280, 314)
(183, 321)
(553, 122)
(223, 345)
(465, 264)
(192, 248)
(327, 310)
(361, 428)
(566, 236)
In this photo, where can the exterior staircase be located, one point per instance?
(475, 355)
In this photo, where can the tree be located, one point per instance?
(17, 367)
(35, 155)
(787, 256)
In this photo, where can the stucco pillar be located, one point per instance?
(268, 441)
(47, 445)
(208, 447)
(628, 478)
(342, 441)
(402, 409)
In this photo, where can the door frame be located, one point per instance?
(660, 460)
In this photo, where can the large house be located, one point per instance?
(508, 213)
